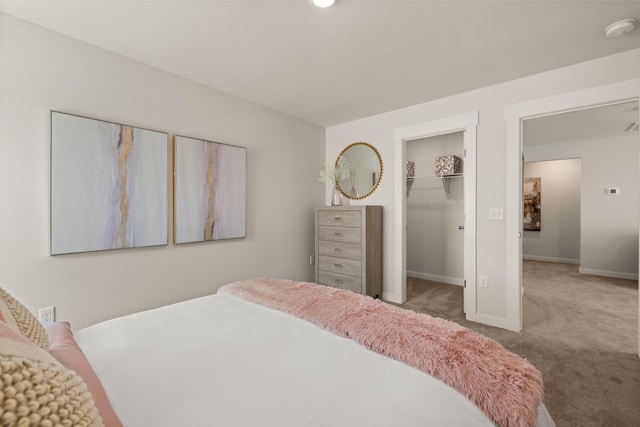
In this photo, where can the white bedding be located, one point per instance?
(222, 361)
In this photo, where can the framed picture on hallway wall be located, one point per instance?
(109, 185)
(532, 206)
(210, 191)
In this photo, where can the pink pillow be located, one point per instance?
(65, 349)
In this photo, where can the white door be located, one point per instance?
(464, 123)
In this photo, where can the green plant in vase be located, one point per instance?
(334, 174)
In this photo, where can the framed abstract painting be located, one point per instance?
(109, 185)
(532, 204)
(210, 191)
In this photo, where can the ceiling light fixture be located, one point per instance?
(621, 27)
(322, 3)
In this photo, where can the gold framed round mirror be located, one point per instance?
(365, 170)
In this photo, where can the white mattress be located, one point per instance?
(219, 360)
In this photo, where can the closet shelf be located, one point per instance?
(456, 175)
(445, 180)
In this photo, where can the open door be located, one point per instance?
(464, 123)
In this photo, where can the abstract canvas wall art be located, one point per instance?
(108, 185)
(210, 190)
(532, 206)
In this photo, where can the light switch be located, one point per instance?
(484, 282)
(496, 214)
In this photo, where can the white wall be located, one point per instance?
(491, 159)
(435, 246)
(608, 224)
(559, 237)
(41, 71)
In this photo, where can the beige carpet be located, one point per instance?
(581, 332)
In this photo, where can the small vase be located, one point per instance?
(336, 196)
(354, 193)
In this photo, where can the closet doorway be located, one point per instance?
(462, 126)
(434, 207)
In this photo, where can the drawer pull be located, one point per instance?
(337, 265)
(338, 281)
(337, 218)
(338, 234)
(338, 250)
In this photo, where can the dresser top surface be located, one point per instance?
(337, 208)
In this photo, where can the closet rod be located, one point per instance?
(445, 181)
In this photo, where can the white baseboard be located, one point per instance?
(434, 278)
(498, 322)
(551, 259)
(604, 273)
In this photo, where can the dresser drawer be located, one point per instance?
(342, 281)
(340, 265)
(340, 250)
(340, 218)
(340, 234)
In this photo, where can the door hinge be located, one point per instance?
(464, 153)
(465, 284)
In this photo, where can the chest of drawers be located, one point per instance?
(349, 248)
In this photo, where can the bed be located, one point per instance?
(270, 352)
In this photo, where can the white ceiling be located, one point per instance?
(592, 123)
(356, 59)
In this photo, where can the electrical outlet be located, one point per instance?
(484, 281)
(496, 214)
(47, 314)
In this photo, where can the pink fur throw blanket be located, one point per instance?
(507, 388)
